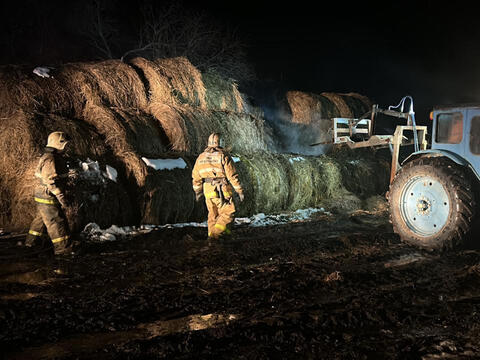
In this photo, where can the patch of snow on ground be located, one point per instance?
(265, 220)
(93, 232)
(165, 164)
(235, 159)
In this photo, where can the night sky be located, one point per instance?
(383, 50)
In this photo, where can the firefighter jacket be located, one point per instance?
(51, 174)
(215, 173)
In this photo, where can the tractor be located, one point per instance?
(432, 195)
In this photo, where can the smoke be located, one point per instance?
(297, 138)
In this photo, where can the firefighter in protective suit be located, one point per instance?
(49, 196)
(214, 177)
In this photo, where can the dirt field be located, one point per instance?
(330, 288)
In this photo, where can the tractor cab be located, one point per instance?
(456, 134)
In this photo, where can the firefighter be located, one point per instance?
(49, 196)
(214, 177)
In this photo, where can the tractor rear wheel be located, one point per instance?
(432, 203)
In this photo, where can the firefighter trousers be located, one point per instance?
(49, 217)
(220, 216)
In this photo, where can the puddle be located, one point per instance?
(91, 342)
(31, 277)
(35, 276)
(405, 260)
(21, 296)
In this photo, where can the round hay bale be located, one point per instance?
(342, 108)
(117, 84)
(119, 138)
(222, 94)
(265, 179)
(159, 89)
(184, 79)
(188, 128)
(168, 196)
(305, 182)
(307, 108)
(359, 105)
(21, 88)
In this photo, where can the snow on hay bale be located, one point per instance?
(68, 86)
(22, 89)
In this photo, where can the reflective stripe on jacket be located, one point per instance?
(214, 162)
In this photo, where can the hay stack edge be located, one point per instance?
(136, 129)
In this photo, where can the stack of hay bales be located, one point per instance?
(274, 182)
(118, 114)
(189, 106)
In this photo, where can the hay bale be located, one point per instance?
(359, 104)
(158, 87)
(308, 108)
(168, 196)
(265, 180)
(22, 89)
(121, 137)
(222, 94)
(342, 108)
(116, 83)
(188, 128)
(185, 80)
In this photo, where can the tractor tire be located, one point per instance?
(432, 203)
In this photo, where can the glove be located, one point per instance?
(241, 197)
(62, 201)
(198, 196)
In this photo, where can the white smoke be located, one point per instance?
(298, 138)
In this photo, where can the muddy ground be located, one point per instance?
(335, 287)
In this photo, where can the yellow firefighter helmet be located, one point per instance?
(57, 140)
(215, 140)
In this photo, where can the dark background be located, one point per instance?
(384, 50)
